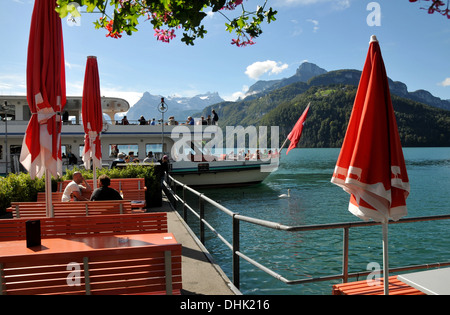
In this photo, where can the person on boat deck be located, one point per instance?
(190, 121)
(215, 117)
(172, 121)
(75, 189)
(104, 192)
(120, 159)
(125, 121)
(208, 120)
(153, 122)
(142, 120)
(150, 158)
(132, 157)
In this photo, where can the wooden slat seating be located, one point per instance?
(396, 287)
(133, 270)
(78, 208)
(132, 188)
(116, 183)
(137, 204)
(156, 222)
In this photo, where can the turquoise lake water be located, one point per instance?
(314, 200)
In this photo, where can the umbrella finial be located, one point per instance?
(373, 38)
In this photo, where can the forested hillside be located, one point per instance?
(331, 105)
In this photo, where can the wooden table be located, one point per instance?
(85, 243)
(98, 258)
(434, 282)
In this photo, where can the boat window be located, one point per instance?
(155, 148)
(1, 152)
(114, 149)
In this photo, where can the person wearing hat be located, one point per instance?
(120, 159)
(172, 121)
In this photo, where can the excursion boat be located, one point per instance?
(190, 162)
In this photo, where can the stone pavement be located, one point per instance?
(201, 275)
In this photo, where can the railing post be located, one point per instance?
(184, 204)
(236, 247)
(345, 256)
(202, 216)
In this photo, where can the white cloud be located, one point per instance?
(237, 95)
(446, 82)
(315, 23)
(257, 69)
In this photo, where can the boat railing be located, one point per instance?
(171, 191)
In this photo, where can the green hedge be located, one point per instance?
(20, 187)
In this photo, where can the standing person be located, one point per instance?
(125, 121)
(215, 117)
(104, 192)
(164, 167)
(75, 189)
(153, 122)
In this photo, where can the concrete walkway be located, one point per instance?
(201, 275)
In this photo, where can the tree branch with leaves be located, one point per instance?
(436, 6)
(168, 16)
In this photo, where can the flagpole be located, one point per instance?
(285, 141)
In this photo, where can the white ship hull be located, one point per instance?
(124, 138)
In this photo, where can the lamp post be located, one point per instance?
(5, 111)
(162, 108)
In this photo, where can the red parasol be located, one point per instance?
(92, 116)
(46, 93)
(371, 166)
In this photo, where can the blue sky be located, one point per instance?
(334, 34)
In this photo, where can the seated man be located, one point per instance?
(75, 189)
(104, 192)
(120, 159)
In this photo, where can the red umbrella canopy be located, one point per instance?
(92, 115)
(46, 92)
(371, 166)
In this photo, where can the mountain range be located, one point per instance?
(423, 119)
(180, 107)
(314, 75)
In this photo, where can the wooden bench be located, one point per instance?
(76, 208)
(396, 287)
(132, 188)
(77, 266)
(155, 222)
(116, 183)
(137, 198)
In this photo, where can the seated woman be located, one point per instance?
(104, 192)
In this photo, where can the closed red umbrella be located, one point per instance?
(92, 117)
(46, 93)
(371, 166)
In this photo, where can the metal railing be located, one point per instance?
(171, 193)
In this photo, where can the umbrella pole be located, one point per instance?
(48, 193)
(94, 168)
(385, 259)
